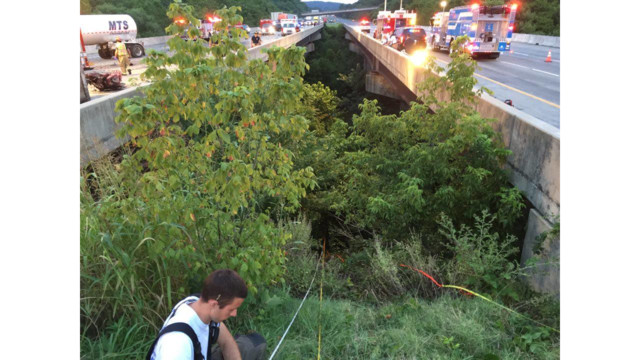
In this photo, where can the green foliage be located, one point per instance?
(448, 327)
(210, 172)
(149, 15)
(320, 106)
(330, 59)
(539, 17)
(482, 261)
(125, 341)
(394, 174)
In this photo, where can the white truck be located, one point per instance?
(102, 30)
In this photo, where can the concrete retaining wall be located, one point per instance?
(98, 128)
(552, 41)
(544, 275)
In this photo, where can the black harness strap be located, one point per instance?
(183, 328)
(214, 331)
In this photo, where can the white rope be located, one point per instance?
(296, 314)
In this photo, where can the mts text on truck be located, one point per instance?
(102, 30)
(489, 28)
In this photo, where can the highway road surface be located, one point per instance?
(521, 76)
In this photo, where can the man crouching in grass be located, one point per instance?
(196, 324)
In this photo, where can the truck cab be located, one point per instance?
(288, 27)
(489, 28)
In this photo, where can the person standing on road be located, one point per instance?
(255, 39)
(196, 324)
(122, 54)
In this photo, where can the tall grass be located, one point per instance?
(448, 327)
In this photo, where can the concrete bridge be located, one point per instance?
(534, 165)
(345, 11)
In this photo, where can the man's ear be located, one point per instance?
(213, 303)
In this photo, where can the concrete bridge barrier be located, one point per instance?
(544, 40)
(93, 49)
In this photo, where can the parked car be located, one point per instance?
(410, 39)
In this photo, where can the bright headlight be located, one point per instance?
(419, 57)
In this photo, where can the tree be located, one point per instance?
(539, 17)
(393, 175)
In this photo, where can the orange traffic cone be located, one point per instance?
(548, 59)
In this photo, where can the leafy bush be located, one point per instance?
(394, 174)
(210, 172)
(303, 254)
(482, 261)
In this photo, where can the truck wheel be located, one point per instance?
(105, 53)
(136, 50)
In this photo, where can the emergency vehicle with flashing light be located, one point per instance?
(365, 25)
(489, 28)
(387, 22)
(267, 27)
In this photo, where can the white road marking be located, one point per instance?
(546, 72)
(521, 53)
(506, 62)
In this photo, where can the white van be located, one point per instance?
(288, 27)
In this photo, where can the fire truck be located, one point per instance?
(267, 26)
(489, 28)
(387, 22)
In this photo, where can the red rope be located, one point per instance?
(423, 273)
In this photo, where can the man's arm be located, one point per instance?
(228, 344)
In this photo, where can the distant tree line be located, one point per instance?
(151, 18)
(534, 17)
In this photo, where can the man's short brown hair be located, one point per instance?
(224, 286)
